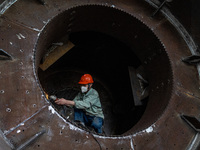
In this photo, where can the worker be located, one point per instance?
(87, 105)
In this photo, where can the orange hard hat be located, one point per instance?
(86, 79)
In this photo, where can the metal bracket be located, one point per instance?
(55, 52)
(4, 55)
(194, 123)
(5, 142)
(192, 60)
(160, 7)
(139, 86)
(32, 139)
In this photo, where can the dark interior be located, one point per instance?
(106, 48)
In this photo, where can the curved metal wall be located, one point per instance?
(29, 121)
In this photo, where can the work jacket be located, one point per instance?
(89, 102)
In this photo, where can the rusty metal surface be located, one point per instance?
(27, 29)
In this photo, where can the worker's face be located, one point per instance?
(84, 88)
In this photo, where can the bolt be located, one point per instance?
(8, 110)
(2, 91)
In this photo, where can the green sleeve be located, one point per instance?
(87, 102)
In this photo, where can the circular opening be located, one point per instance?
(129, 65)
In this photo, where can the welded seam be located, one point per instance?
(184, 91)
(25, 26)
(191, 94)
(23, 122)
(5, 5)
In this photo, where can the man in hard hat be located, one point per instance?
(87, 105)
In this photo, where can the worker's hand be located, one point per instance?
(60, 101)
(69, 103)
(63, 101)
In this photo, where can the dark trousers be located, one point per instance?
(92, 121)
